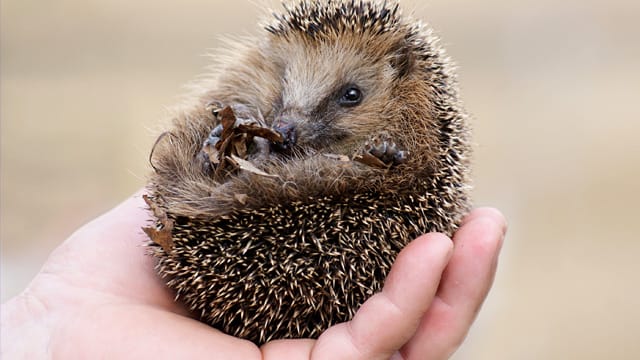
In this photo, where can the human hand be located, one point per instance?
(98, 296)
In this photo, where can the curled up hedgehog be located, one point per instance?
(283, 193)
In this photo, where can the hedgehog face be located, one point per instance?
(327, 74)
(331, 94)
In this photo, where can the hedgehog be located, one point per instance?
(348, 139)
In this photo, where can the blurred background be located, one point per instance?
(554, 88)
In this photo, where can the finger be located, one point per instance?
(485, 212)
(388, 319)
(463, 288)
(287, 349)
(477, 246)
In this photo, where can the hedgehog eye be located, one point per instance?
(351, 96)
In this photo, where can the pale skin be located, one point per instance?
(97, 296)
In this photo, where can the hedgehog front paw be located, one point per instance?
(238, 135)
(220, 142)
(208, 154)
(385, 150)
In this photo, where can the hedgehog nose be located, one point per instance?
(288, 131)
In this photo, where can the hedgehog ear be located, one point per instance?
(403, 60)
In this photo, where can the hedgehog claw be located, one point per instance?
(386, 151)
(214, 135)
(214, 106)
(400, 157)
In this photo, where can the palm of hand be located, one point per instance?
(99, 297)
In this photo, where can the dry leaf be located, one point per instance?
(222, 146)
(240, 146)
(155, 209)
(163, 235)
(370, 160)
(233, 143)
(211, 153)
(247, 166)
(228, 120)
(254, 129)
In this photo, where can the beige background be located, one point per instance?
(554, 87)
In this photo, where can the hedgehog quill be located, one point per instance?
(309, 158)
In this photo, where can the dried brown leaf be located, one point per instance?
(370, 160)
(248, 166)
(254, 129)
(161, 236)
(240, 146)
(228, 120)
(157, 211)
(212, 153)
(232, 148)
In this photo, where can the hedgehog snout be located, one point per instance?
(287, 128)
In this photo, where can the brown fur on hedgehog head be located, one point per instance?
(312, 56)
(273, 247)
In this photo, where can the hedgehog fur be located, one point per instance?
(289, 255)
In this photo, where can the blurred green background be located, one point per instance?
(554, 88)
